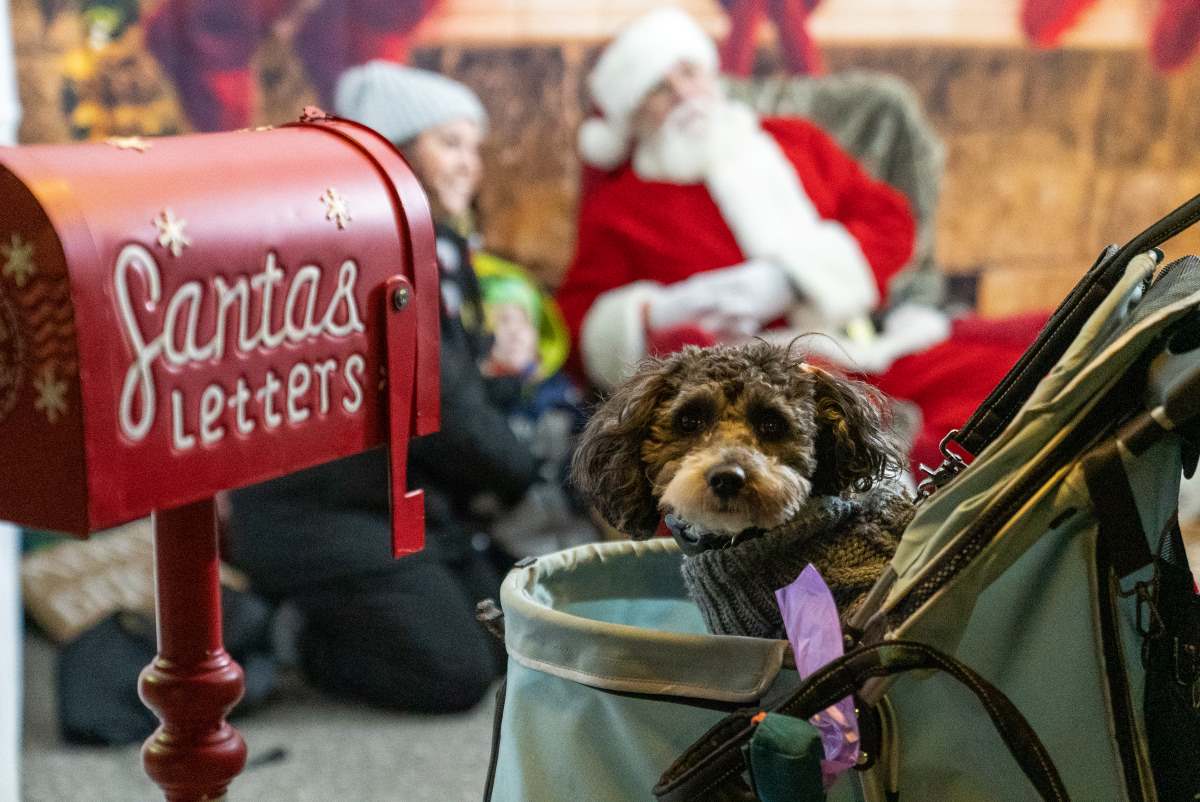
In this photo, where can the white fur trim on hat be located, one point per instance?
(602, 144)
(642, 55)
(400, 102)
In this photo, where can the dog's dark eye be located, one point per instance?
(770, 425)
(693, 416)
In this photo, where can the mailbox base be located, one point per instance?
(193, 682)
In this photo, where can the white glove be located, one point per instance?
(907, 329)
(753, 292)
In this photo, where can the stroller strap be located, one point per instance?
(718, 758)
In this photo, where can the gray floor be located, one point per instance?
(334, 751)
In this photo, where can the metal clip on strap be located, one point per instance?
(936, 478)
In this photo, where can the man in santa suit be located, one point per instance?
(702, 223)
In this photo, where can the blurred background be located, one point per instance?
(1066, 125)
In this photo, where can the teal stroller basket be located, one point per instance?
(611, 674)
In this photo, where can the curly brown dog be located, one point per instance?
(753, 448)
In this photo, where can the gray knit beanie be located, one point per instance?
(400, 102)
(849, 540)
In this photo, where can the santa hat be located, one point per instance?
(632, 65)
(401, 102)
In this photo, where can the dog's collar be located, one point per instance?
(693, 539)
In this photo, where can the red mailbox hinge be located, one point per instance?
(400, 329)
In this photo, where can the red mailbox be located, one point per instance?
(181, 316)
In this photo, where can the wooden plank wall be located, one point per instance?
(1050, 155)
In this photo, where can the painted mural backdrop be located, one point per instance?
(124, 67)
(1095, 141)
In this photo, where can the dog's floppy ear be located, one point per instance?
(607, 464)
(854, 449)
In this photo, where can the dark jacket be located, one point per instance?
(334, 520)
(462, 298)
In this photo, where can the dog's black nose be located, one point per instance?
(726, 480)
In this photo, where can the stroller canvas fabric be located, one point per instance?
(1034, 568)
(1026, 601)
(611, 673)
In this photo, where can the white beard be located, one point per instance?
(694, 138)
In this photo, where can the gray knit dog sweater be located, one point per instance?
(849, 539)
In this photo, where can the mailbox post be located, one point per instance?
(187, 315)
(193, 682)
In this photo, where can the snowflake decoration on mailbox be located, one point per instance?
(51, 394)
(336, 208)
(171, 233)
(18, 260)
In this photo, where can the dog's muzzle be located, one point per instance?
(695, 540)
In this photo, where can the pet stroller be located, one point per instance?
(1003, 655)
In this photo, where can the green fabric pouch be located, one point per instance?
(785, 760)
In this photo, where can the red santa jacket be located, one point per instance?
(632, 230)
